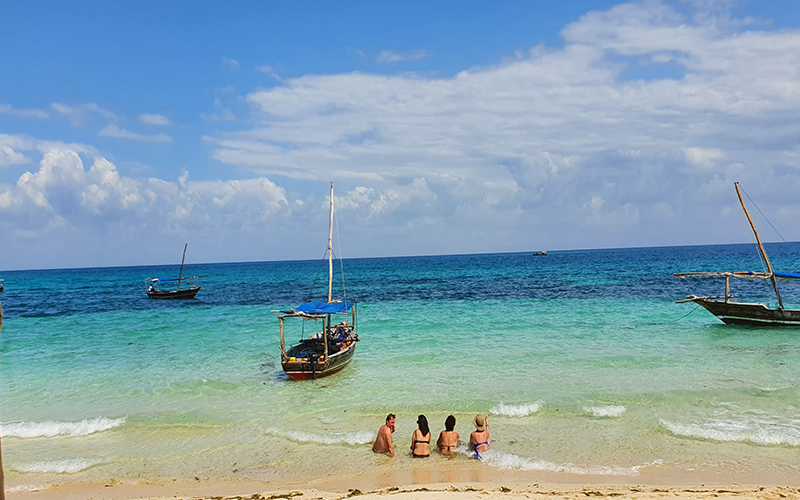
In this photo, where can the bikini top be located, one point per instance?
(424, 442)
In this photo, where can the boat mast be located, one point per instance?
(760, 247)
(330, 251)
(182, 260)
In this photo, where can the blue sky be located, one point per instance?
(448, 127)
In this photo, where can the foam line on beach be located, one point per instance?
(502, 460)
(763, 432)
(605, 411)
(352, 438)
(27, 430)
(70, 466)
(520, 410)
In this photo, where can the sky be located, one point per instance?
(452, 127)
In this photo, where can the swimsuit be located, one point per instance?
(423, 442)
(475, 449)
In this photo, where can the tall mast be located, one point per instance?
(760, 247)
(182, 260)
(330, 251)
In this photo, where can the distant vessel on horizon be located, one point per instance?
(154, 291)
(743, 313)
(539, 254)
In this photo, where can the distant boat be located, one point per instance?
(331, 349)
(743, 313)
(154, 290)
(1, 286)
(539, 254)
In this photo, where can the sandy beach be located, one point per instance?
(454, 491)
(457, 484)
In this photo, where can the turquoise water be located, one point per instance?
(581, 359)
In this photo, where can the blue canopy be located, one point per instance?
(319, 307)
(790, 276)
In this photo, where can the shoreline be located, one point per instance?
(429, 484)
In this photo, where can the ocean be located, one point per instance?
(581, 359)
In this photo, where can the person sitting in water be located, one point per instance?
(448, 438)
(479, 439)
(383, 443)
(421, 439)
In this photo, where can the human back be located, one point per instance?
(421, 439)
(479, 439)
(448, 438)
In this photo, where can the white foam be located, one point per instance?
(517, 410)
(49, 429)
(758, 431)
(57, 466)
(327, 420)
(503, 460)
(353, 438)
(25, 487)
(605, 411)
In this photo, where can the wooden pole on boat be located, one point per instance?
(283, 342)
(330, 251)
(2, 484)
(182, 260)
(760, 247)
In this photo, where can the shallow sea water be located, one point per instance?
(581, 359)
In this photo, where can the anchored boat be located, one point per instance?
(188, 291)
(744, 313)
(329, 350)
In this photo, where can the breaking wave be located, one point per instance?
(352, 438)
(757, 431)
(503, 460)
(57, 466)
(26, 430)
(605, 411)
(516, 410)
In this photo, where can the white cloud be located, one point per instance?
(62, 189)
(81, 113)
(10, 157)
(221, 113)
(387, 56)
(154, 119)
(233, 63)
(114, 131)
(266, 69)
(28, 113)
(531, 142)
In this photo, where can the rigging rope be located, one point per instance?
(674, 320)
(762, 213)
(341, 261)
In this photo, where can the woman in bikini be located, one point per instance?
(479, 439)
(448, 438)
(421, 439)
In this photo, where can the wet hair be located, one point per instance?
(450, 423)
(389, 417)
(422, 422)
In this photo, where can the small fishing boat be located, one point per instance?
(1, 286)
(744, 313)
(330, 349)
(539, 254)
(187, 291)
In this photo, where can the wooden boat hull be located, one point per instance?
(738, 313)
(302, 369)
(186, 293)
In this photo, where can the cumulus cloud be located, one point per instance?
(558, 137)
(66, 195)
(388, 56)
(154, 119)
(114, 131)
(28, 113)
